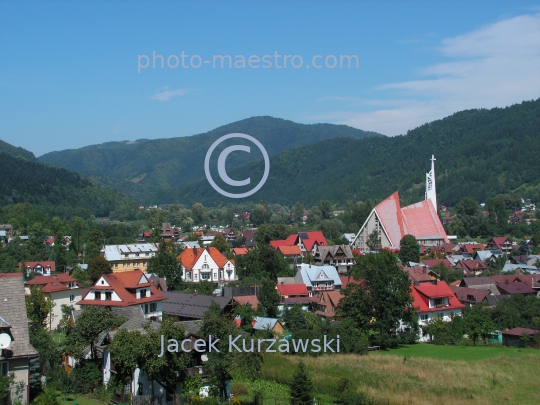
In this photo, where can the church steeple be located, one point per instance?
(431, 191)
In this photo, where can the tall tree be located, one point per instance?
(220, 244)
(269, 298)
(326, 209)
(409, 250)
(166, 264)
(381, 300)
(301, 386)
(38, 307)
(374, 240)
(97, 267)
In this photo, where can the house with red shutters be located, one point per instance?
(432, 300)
(60, 289)
(501, 243)
(130, 288)
(206, 264)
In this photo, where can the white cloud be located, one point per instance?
(165, 94)
(494, 66)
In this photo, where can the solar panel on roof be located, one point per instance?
(303, 235)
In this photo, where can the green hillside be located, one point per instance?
(167, 163)
(56, 190)
(16, 152)
(480, 153)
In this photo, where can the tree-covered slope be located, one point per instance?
(56, 190)
(480, 153)
(166, 163)
(16, 151)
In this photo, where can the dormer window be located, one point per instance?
(143, 293)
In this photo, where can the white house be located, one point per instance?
(200, 264)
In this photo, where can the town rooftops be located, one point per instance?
(53, 283)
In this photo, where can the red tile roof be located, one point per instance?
(463, 293)
(434, 262)
(515, 288)
(499, 240)
(470, 248)
(314, 237)
(292, 289)
(189, 257)
(247, 299)
(240, 251)
(423, 292)
(120, 283)
(520, 331)
(420, 219)
(43, 264)
(346, 280)
(290, 241)
(471, 266)
(52, 283)
(290, 250)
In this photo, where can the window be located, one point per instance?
(116, 265)
(205, 276)
(153, 307)
(143, 293)
(97, 295)
(108, 295)
(205, 267)
(146, 309)
(4, 368)
(140, 389)
(71, 298)
(423, 317)
(215, 275)
(72, 284)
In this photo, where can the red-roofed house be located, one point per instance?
(435, 300)
(126, 289)
(430, 263)
(292, 290)
(209, 264)
(393, 222)
(247, 299)
(471, 248)
(61, 289)
(325, 303)
(306, 241)
(471, 267)
(501, 243)
(292, 254)
(45, 268)
(240, 251)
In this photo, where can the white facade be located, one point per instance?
(431, 191)
(207, 269)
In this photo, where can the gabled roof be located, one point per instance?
(418, 273)
(13, 313)
(44, 264)
(247, 299)
(463, 294)
(292, 289)
(191, 305)
(289, 250)
(262, 323)
(310, 238)
(498, 241)
(240, 251)
(248, 234)
(189, 257)
(120, 283)
(515, 288)
(471, 265)
(53, 283)
(330, 300)
(309, 274)
(290, 241)
(434, 262)
(423, 292)
(471, 248)
(324, 251)
(422, 221)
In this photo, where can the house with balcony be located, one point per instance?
(61, 289)
(318, 278)
(339, 256)
(206, 264)
(501, 243)
(434, 299)
(131, 288)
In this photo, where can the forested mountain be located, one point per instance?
(480, 153)
(56, 190)
(167, 163)
(16, 152)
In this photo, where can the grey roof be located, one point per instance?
(191, 327)
(286, 280)
(4, 323)
(265, 323)
(512, 267)
(483, 255)
(114, 252)
(189, 305)
(323, 251)
(13, 312)
(308, 273)
(495, 299)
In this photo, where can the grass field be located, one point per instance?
(418, 375)
(465, 353)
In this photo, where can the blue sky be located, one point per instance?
(69, 74)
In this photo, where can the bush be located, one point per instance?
(238, 389)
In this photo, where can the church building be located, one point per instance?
(392, 222)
